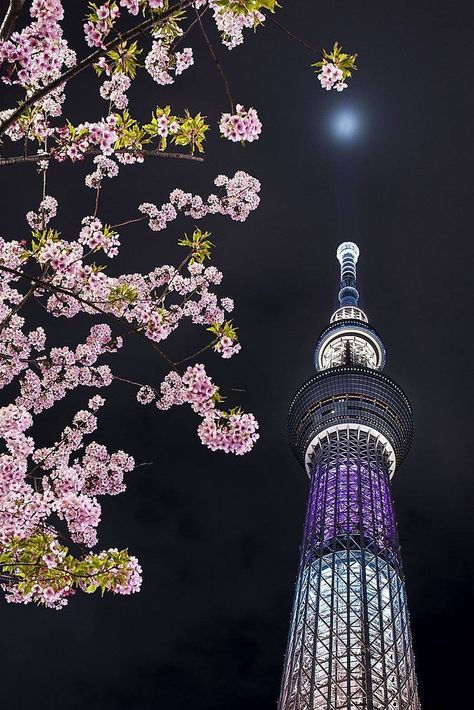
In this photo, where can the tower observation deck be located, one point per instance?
(350, 427)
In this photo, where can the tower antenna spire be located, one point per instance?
(347, 255)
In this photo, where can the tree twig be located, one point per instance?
(218, 64)
(129, 221)
(293, 36)
(182, 37)
(8, 25)
(16, 159)
(20, 305)
(137, 384)
(198, 352)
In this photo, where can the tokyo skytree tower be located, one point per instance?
(350, 426)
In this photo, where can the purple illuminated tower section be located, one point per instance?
(350, 426)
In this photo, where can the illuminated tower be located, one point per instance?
(350, 426)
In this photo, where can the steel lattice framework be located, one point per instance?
(350, 644)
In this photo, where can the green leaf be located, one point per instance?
(124, 59)
(199, 244)
(192, 131)
(345, 62)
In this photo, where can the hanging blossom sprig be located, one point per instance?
(232, 17)
(230, 431)
(240, 196)
(335, 67)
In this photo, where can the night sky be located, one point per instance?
(217, 535)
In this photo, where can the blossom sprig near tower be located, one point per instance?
(50, 493)
(335, 67)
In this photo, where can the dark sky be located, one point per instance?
(217, 535)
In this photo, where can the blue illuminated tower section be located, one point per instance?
(350, 426)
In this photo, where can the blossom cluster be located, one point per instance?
(133, 6)
(227, 347)
(161, 62)
(65, 486)
(64, 369)
(100, 23)
(331, 77)
(115, 90)
(37, 55)
(243, 126)
(74, 142)
(231, 25)
(96, 237)
(47, 210)
(232, 432)
(240, 198)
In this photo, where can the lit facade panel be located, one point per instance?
(350, 644)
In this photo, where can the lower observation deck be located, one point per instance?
(350, 396)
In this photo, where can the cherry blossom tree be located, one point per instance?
(49, 495)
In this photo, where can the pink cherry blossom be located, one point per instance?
(331, 77)
(232, 25)
(131, 5)
(161, 62)
(115, 90)
(227, 347)
(234, 433)
(47, 210)
(243, 126)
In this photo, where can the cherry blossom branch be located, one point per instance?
(41, 564)
(67, 292)
(20, 305)
(218, 64)
(16, 308)
(136, 384)
(36, 158)
(97, 195)
(158, 394)
(53, 450)
(90, 60)
(198, 352)
(166, 290)
(28, 360)
(14, 10)
(129, 221)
